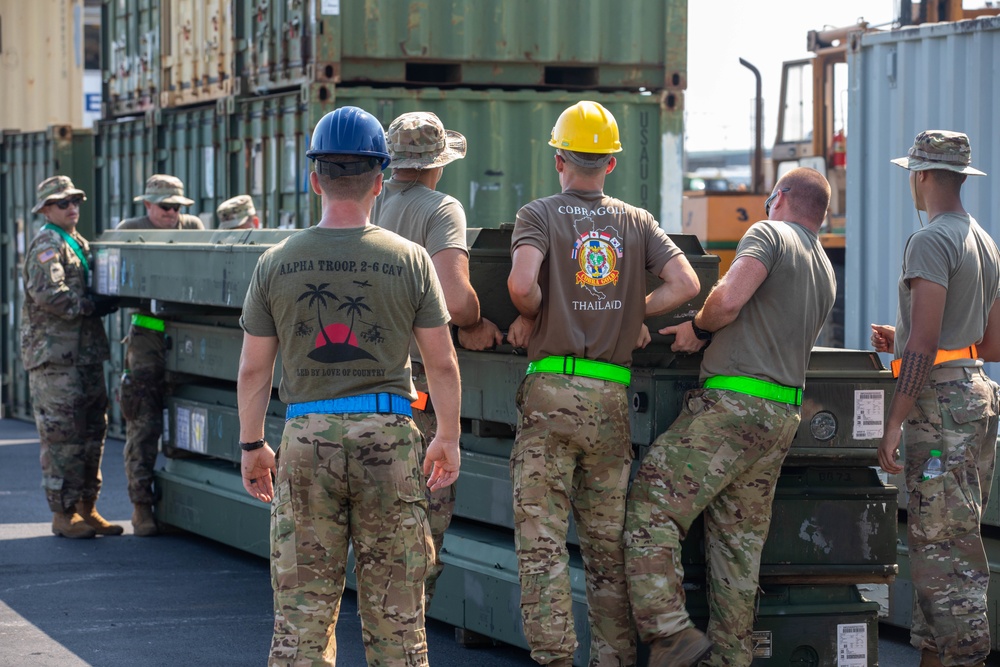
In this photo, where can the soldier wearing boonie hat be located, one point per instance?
(410, 205)
(945, 407)
(237, 213)
(63, 348)
(143, 386)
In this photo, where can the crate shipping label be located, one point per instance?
(192, 429)
(869, 414)
(852, 645)
(761, 642)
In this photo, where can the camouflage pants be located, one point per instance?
(71, 412)
(349, 479)
(722, 455)
(142, 401)
(573, 451)
(956, 413)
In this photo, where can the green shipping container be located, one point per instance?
(508, 164)
(124, 160)
(28, 159)
(192, 145)
(130, 56)
(585, 44)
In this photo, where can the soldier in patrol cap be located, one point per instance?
(144, 382)
(723, 454)
(411, 206)
(237, 213)
(947, 325)
(63, 348)
(578, 279)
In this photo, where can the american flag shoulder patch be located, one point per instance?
(46, 255)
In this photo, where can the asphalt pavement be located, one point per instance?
(174, 599)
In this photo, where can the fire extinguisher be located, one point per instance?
(838, 150)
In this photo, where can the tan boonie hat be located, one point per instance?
(234, 212)
(164, 189)
(54, 189)
(418, 140)
(940, 149)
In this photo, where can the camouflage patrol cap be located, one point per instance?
(164, 189)
(234, 212)
(940, 149)
(418, 140)
(54, 189)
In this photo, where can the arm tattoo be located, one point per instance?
(913, 373)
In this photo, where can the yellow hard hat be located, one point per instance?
(586, 127)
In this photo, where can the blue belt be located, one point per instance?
(381, 403)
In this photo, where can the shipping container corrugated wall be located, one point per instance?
(197, 55)
(625, 45)
(939, 76)
(130, 56)
(42, 66)
(508, 164)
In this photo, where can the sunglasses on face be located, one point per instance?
(767, 202)
(66, 203)
(170, 207)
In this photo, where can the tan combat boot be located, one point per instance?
(684, 649)
(143, 523)
(86, 509)
(930, 658)
(70, 524)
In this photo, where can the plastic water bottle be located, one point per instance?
(934, 466)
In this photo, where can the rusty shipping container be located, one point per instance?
(568, 44)
(42, 65)
(197, 55)
(130, 56)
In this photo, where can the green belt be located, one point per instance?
(147, 322)
(597, 370)
(755, 387)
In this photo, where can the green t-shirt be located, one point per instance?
(952, 251)
(343, 304)
(775, 331)
(427, 217)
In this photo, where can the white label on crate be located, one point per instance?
(761, 643)
(183, 438)
(166, 425)
(330, 8)
(869, 412)
(852, 645)
(199, 430)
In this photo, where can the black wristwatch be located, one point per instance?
(250, 446)
(700, 333)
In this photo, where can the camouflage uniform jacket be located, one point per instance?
(54, 328)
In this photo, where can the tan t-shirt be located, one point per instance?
(774, 333)
(593, 278)
(343, 304)
(952, 251)
(427, 217)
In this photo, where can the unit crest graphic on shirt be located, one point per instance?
(337, 342)
(597, 252)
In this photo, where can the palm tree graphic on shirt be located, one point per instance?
(332, 344)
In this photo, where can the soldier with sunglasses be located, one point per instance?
(144, 382)
(63, 348)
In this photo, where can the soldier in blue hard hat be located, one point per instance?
(947, 325)
(340, 301)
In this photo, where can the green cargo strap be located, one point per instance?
(147, 322)
(598, 370)
(755, 387)
(73, 245)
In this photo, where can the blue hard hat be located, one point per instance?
(349, 131)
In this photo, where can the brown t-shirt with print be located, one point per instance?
(343, 304)
(597, 250)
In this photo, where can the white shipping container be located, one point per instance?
(41, 64)
(936, 76)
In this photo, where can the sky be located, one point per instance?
(719, 101)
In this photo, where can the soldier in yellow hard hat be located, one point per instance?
(63, 348)
(578, 279)
(144, 382)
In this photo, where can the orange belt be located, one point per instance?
(942, 356)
